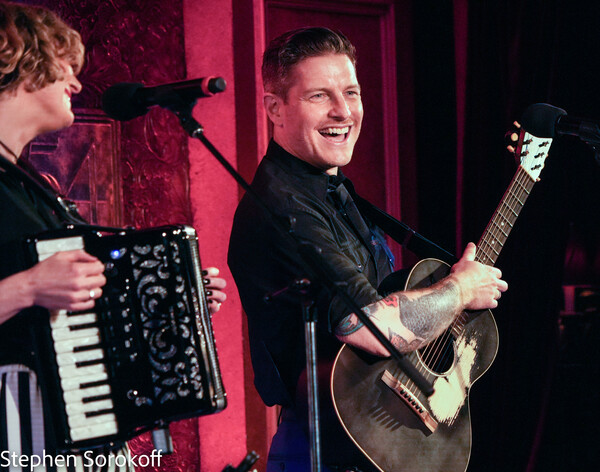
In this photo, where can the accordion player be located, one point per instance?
(144, 356)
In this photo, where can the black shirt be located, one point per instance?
(22, 213)
(263, 260)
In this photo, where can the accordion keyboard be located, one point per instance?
(83, 374)
(81, 364)
(144, 355)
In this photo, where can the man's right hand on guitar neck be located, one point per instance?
(480, 285)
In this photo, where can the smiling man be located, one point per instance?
(312, 97)
(318, 120)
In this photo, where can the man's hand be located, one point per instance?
(480, 285)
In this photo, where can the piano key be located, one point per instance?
(63, 318)
(79, 396)
(77, 421)
(75, 377)
(72, 358)
(46, 248)
(70, 345)
(66, 334)
(81, 420)
(82, 408)
(96, 431)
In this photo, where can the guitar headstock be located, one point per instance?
(530, 151)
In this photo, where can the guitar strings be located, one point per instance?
(513, 201)
(437, 353)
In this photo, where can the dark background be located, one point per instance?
(537, 407)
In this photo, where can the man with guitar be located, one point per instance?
(313, 99)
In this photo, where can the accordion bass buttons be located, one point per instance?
(110, 270)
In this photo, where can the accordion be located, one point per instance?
(144, 356)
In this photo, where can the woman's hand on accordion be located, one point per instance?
(214, 285)
(69, 280)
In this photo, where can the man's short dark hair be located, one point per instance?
(287, 50)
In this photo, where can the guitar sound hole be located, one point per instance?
(438, 356)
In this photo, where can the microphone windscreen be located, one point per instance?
(216, 85)
(540, 119)
(120, 103)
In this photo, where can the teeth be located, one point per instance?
(336, 130)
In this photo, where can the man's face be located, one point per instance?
(321, 118)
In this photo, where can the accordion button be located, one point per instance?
(110, 270)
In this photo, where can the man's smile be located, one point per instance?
(336, 134)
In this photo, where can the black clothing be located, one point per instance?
(263, 261)
(25, 212)
(22, 213)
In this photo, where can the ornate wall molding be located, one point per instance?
(137, 41)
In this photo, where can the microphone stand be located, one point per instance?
(589, 133)
(321, 273)
(302, 287)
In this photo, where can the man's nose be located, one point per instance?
(339, 107)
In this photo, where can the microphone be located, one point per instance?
(125, 101)
(547, 121)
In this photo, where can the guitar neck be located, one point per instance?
(501, 224)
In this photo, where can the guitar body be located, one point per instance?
(401, 431)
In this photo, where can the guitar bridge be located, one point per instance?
(410, 399)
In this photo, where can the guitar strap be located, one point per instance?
(402, 233)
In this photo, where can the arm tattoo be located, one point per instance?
(351, 323)
(402, 344)
(430, 314)
(348, 325)
(426, 317)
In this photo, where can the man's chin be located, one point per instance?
(340, 162)
(342, 157)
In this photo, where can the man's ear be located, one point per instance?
(272, 104)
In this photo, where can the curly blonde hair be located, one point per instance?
(32, 39)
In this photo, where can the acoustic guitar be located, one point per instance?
(388, 418)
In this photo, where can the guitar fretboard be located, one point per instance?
(501, 224)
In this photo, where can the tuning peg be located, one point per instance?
(512, 137)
